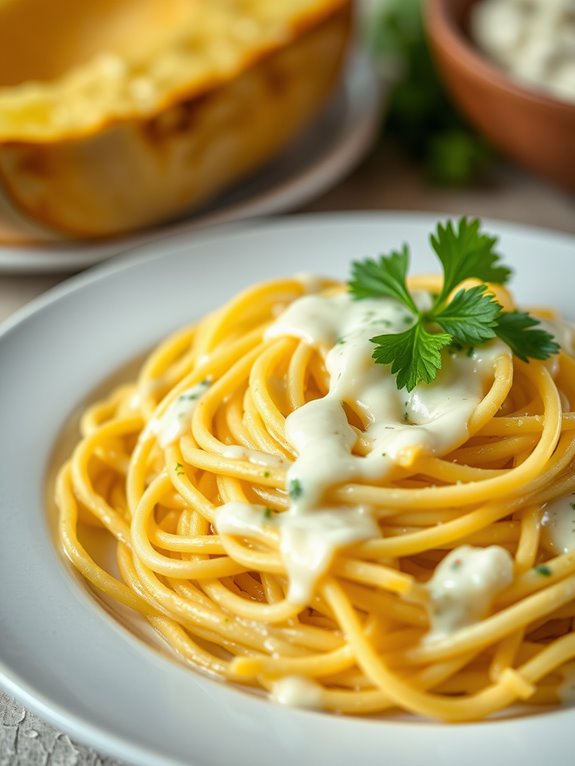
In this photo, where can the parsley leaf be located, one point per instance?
(383, 278)
(470, 316)
(414, 355)
(465, 253)
(516, 328)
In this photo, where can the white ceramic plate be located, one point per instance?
(325, 153)
(72, 663)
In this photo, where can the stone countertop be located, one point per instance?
(384, 181)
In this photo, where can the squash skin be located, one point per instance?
(135, 173)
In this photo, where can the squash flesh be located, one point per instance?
(60, 35)
(78, 160)
(181, 47)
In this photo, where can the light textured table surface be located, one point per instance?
(384, 181)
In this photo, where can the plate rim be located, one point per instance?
(147, 250)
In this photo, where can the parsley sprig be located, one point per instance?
(471, 317)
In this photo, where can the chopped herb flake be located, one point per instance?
(544, 570)
(188, 397)
(268, 514)
(179, 469)
(295, 489)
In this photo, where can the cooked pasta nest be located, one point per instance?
(220, 601)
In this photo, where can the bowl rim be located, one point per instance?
(443, 31)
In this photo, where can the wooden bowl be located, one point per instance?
(536, 130)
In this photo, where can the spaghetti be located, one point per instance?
(285, 518)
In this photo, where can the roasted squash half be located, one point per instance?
(118, 114)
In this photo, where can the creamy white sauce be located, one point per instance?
(558, 525)
(563, 333)
(296, 691)
(534, 40)
(173, 423)
(312, 283)
(242, 519)
(307, 541)
(135, 401)
(237, 452)
(463, 587)
(432, 417)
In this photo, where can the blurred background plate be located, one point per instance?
(328, 150)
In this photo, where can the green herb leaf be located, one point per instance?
(543, 570)
(384, 278)
(420, 115)
(517, 329)
(414, 355)
(295, 489)
(465, 253)
(456, 156)
(470, 316)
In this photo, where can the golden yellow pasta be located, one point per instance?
(285, 517)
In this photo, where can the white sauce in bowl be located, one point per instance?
(533, 40)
